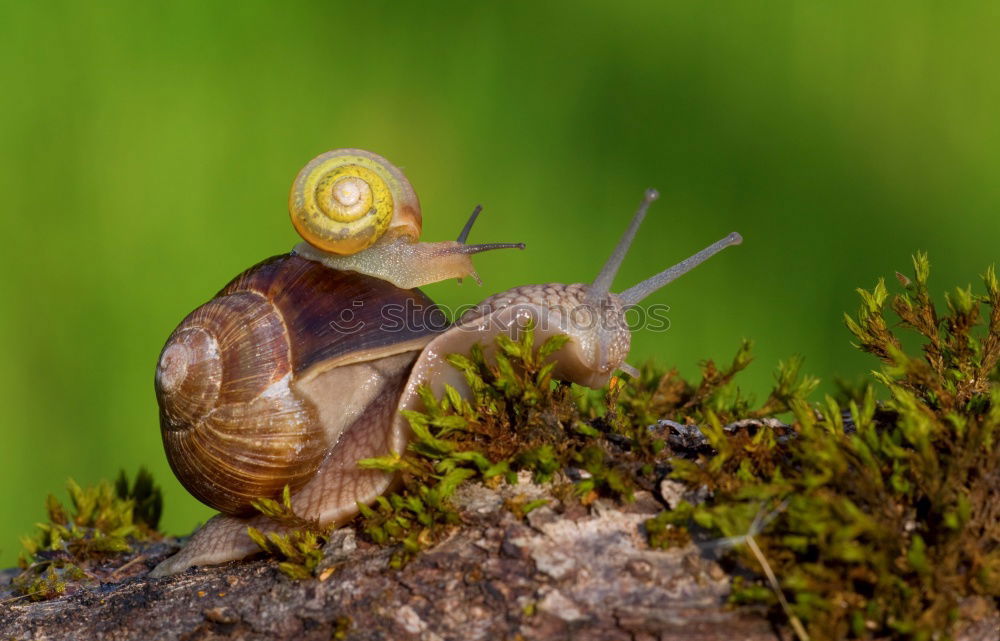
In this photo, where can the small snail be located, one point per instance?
(266, 385)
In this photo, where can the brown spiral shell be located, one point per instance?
(234, 426)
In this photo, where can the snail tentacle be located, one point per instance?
(602, 284)
(464, 234)
(638, 292)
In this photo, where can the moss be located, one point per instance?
(881, 526)
(655, 395)
(299, 550)
(517, 419)
(513, 421)
(146, 497)
(588, 443)
(48, 580)
(521, 507)
(341, 627)
(100, 520)
(663, 531)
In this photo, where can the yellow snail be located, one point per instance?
(294, 371)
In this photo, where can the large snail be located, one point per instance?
(294, 371)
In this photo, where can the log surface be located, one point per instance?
(581, 573)
(587, 575)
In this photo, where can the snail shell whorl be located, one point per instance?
(343, 201)
(236, 424)
(232, 427)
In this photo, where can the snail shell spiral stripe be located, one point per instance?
(233, 429)
(344, 200)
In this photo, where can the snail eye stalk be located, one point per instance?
(599, 289)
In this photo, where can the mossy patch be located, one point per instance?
(881, 526)
(299, 549)
(586, 444)
(101, 520)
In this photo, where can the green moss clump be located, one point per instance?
(341, 627)
(881, 526)
(300, 549)
(146, 497)
(655, 394)
(299, 552)
(519, 419)
(510, 423)
(100, 520)
(48, 580)
(663, 531)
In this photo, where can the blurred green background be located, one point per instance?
(146, 150)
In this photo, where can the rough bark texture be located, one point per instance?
(585, 574)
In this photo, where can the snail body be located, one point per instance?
(291, 373)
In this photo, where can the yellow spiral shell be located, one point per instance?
(345, 200)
